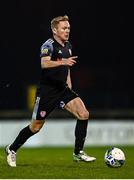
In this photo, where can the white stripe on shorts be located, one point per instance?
(36, 106)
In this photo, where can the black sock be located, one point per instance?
(21, 138)
(80, 135)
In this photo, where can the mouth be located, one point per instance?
(67, 35)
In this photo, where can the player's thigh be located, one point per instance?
(77, 108)
(42, 108)
(44, 105)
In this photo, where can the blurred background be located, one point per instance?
(101, 37)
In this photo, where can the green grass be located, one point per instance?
(56, 163)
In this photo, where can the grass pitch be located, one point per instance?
(56, 163)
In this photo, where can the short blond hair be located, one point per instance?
(55, 21)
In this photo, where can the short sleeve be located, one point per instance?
(46, 49)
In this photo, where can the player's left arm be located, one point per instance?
(69, 82)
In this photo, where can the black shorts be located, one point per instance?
(47, 99)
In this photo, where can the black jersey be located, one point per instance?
(56, 76)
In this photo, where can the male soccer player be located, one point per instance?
(55, 89)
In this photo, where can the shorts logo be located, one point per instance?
(62, 104)
(43, 113)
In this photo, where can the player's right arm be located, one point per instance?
(48, 62)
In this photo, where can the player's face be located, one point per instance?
(63, 30)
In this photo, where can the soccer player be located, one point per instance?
(55, 89)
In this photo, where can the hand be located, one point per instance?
(69, 61)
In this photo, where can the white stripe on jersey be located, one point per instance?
(50, 41)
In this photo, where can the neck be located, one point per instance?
(59, 40)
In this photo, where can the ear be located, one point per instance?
(54, 30)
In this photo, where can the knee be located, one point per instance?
(35, 127)
(35, 130)
(84, 115)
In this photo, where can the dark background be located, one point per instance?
(100, 35)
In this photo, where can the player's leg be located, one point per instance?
(43, 107)
(33, 128)
(78, 109)
(38, 119)
(22, 137)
